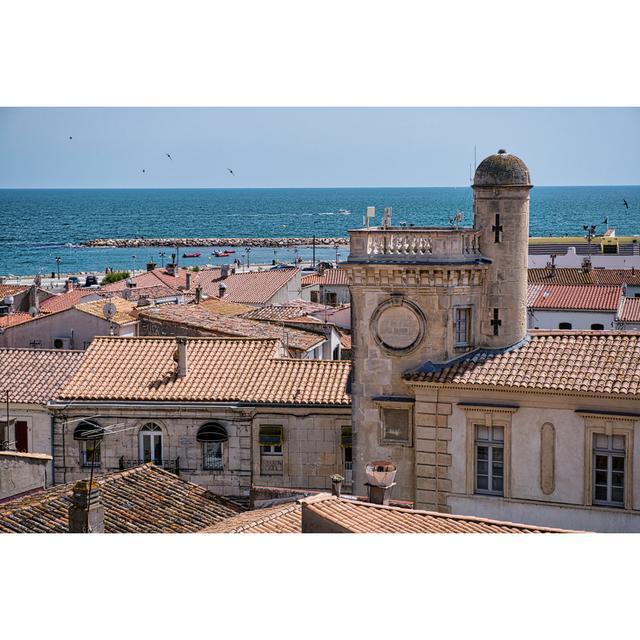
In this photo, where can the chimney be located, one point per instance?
(33, 299)
(68, 285)
(181, 358)
(151, 266)
(188, 277)
(380, 480)
(586, 264)
(170, 269)
(86, 513)
(224, 271)
(336, 484)
(198, 294)
(126, 294)
(222, 289)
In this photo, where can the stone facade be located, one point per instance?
(311, 447)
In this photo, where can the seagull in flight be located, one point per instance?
(626, 204)
(70, 137)
(231, 172)
(168, 156)
(144, 171)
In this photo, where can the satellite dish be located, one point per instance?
(33, 311)
(109, 310)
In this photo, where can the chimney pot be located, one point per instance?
(222, 289)
(198, 294)
(336, 484)
(380, 476)
(188, 278)
(182, 358)
(86, 513)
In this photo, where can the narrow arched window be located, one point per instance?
(212, 435)
(89, 434)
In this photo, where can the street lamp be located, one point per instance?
(247, 252)
(275, 256)
(58, 260)
(134, 265)
(162, 254)
(337, 248)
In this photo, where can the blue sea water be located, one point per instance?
(40, 224)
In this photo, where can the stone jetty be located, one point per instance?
(125, 243)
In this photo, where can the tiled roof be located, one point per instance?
(578, 297)
(150, 293)
(144, 499)
(225, 307)
(283, 518)
(592, 362)
(254, 287)
(69, 299)
(330, 277)
(364, 517)
(287, 310)
(11, 289)
(578, 276)
(14, 318)
(345, 340)
(123, 307)
(532, 293)
(630, 311)
(162, 277)
(220, 370)
(35, 376)
(194, 315)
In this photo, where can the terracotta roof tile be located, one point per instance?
(63, 301)
(287, 311)
(35, 376)
(579, 297)
(14, 319)
(586, 361)
(123, 314)
(150, 293)
(329, 277)
(220, 370)
(284, 518)
(255, 287)
(225, 307)
(578, 276)
(198, 317)
(11, 289)
(364, 517)
(630, 310)
(144, 499)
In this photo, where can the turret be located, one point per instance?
(501, 213)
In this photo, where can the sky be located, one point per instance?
(310, 147)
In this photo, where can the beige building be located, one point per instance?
(223, 413)
(481, 417)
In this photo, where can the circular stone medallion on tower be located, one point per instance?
(398, 325)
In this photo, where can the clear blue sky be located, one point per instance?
(312, 147)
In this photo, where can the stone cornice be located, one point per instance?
(418, 276)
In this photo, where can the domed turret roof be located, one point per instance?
(502, 169)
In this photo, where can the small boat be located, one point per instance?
(230, 250)
(220, 254)
(195, 254)
(344, 212)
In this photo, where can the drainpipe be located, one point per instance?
(53, 460)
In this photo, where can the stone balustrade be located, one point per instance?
(414, 244)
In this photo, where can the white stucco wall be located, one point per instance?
(543, 319)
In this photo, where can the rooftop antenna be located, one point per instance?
(386, 218)
(371, 213)
(456, 219)
(475, 162)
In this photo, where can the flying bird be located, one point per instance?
(231, 172)
(70, 137)
(625, 203)
(168, 156)
(144, 171)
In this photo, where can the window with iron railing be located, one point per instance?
(346, 445)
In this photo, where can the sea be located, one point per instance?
(40, 225)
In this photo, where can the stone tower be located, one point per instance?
(422, 296)
(501, 213)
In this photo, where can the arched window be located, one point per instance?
(213, 436)
(151, 443)
(89, 434)
(564, 325)
(597, 327)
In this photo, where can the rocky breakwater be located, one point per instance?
(125, 243)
